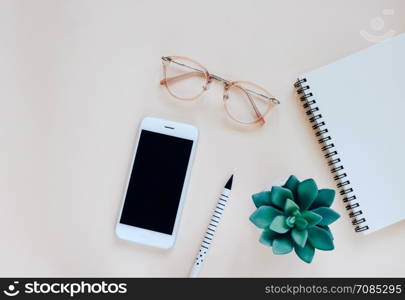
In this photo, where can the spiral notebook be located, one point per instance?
(356, 107)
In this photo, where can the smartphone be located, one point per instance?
(157, 182)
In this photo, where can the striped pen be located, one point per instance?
(214, 222)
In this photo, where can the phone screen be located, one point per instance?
(156, 182)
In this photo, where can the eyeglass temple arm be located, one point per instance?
(272, 99)
(257, 112)
(184, 76)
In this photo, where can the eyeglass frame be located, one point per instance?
(209, 77)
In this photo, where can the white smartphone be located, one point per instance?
(157, 182)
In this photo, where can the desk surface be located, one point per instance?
(76, 78)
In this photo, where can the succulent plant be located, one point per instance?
(295, 216)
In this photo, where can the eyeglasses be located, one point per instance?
(245, 102)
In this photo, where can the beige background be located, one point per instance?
(76, 78)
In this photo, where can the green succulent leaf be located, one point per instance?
(306, 253)
(328, 215)
(290, 221)
(301, 223)
(325, 198)
(290, 207)
(296, 213)
(279, 196)
(279, 225)
(292, 184)
(320, 238)
(311, 217)
(264, 216)
(282, 245)
(267, 237)
(328, 230)
(307, 192)
(299, 236)
(263, 198)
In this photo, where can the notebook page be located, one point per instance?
(362, 101)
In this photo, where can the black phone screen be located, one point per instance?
(156, 182)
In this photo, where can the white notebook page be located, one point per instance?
(362, 100)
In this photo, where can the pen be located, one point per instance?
(214, 222)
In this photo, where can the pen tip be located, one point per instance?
(228, 185)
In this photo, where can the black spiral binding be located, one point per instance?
(334, 162)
